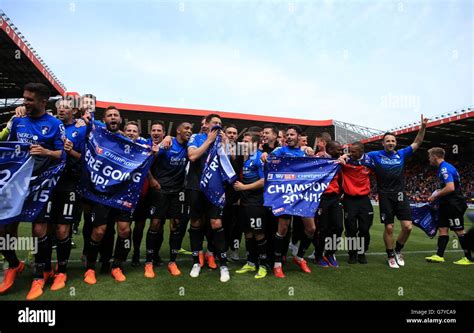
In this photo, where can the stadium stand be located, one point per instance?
(451, 131)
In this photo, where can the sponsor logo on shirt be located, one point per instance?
(391, 161)
(177, 161)
(27, 137)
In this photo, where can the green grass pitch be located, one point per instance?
(418, 280)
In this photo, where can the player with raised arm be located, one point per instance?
(87, 107)
(389, 165)
(101, 217)
(200, 208)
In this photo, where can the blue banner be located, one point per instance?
(425, 216)
(22, 194)
(113, 169)
(216, 173)
(293, 185)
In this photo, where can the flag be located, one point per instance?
(294, 185)
(425, 216)
(216, 173)
(113, 169)
(22, 194)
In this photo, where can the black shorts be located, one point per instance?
(358, 208)
(164, 206)
(87, 202)
(142, 211)
(452, 215)
(64, 207)
(101, 215)
(284, 216)
(329, 216)
(252, 218)
(230, 215)
(200, 207)
(270, 217)
(394, 205)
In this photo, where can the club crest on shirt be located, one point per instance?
(44, 130)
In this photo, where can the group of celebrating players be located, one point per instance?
(172, 192)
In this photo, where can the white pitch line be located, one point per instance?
(405, 252)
